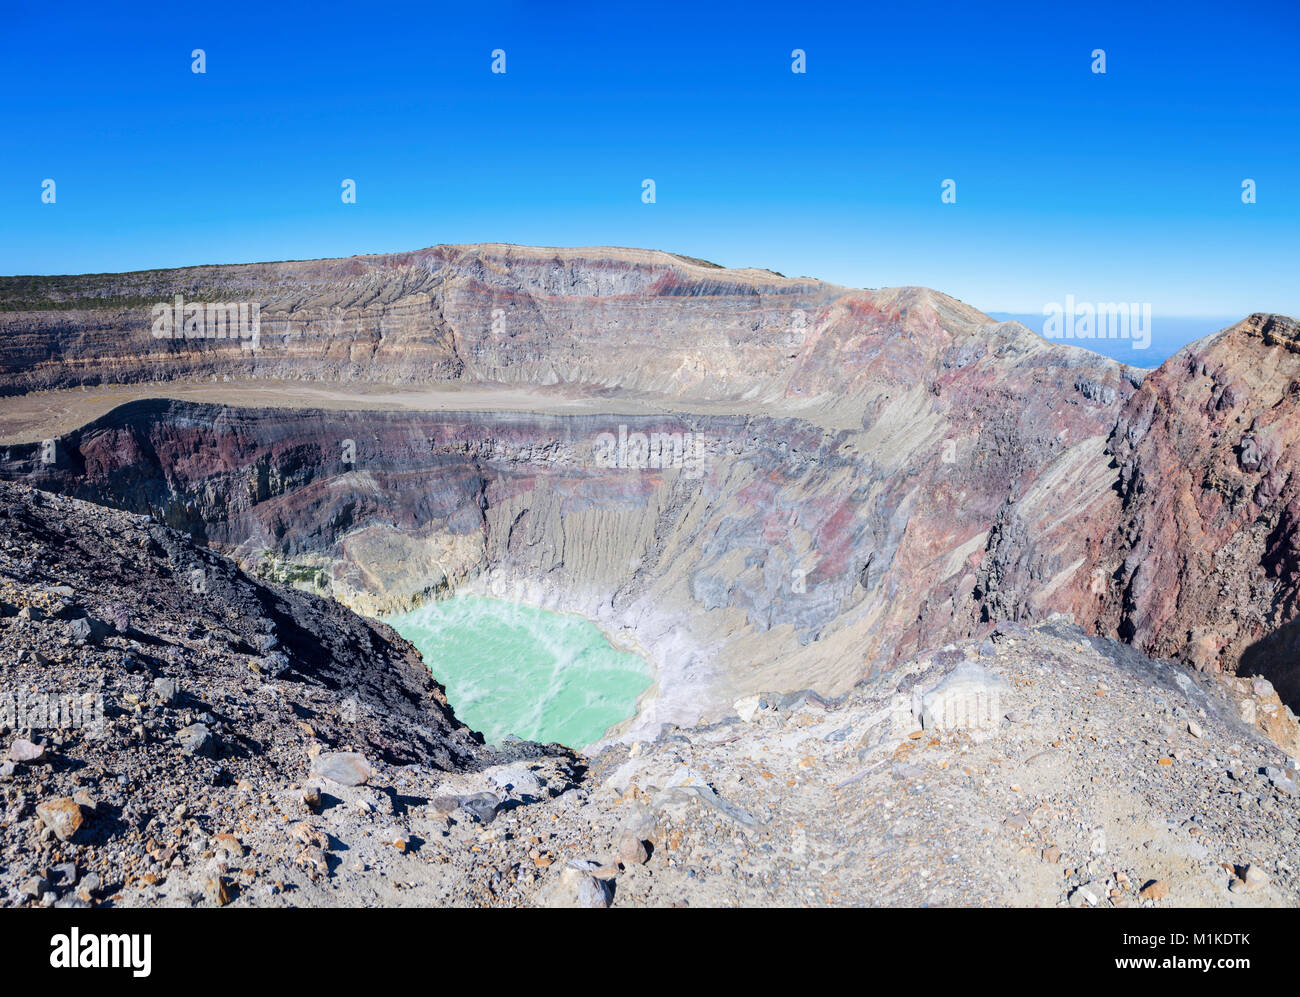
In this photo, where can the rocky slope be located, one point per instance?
(1204, 558)
(146, 682)
(1103, 779)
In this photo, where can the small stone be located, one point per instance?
(1194, 729)
(25, 751)
(195, 739)
(632, 850)
(1253, 880)
(1279, 780)
(311, 799)
(1051, 854)
(481, 806)
(217, 890)
(577, 887)
(228, 845)
(517, 779)
(1087, 895)
(62, 816)
(314, 860)
(90, 630)
(1156, 889)
(165, 691)
(750, 709)
(272, 665)
(309, 835)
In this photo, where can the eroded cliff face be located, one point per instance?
(631, 319)
(1204, 559)
(617, 322)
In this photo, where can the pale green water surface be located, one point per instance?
(516, 669)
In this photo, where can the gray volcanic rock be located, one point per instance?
(134, 782)
(827, 803)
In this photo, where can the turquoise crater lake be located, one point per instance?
(511, 668)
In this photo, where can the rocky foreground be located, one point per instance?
(261, 746)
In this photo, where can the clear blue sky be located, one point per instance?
(1123, 186)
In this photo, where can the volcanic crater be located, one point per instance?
(801, 504)
(877, 472)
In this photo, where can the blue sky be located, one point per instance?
(1123, 186)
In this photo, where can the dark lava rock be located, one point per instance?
(195, 739)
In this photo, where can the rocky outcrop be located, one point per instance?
(155, 702)
(599, 318)
(1203, 559)
(104, 603)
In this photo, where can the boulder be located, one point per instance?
(62, 816)
(348, 768)
(970, 697)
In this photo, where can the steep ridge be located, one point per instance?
(602, 317)
(595, 320)
(1204, 559)
(152, 604)
(153, 697)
